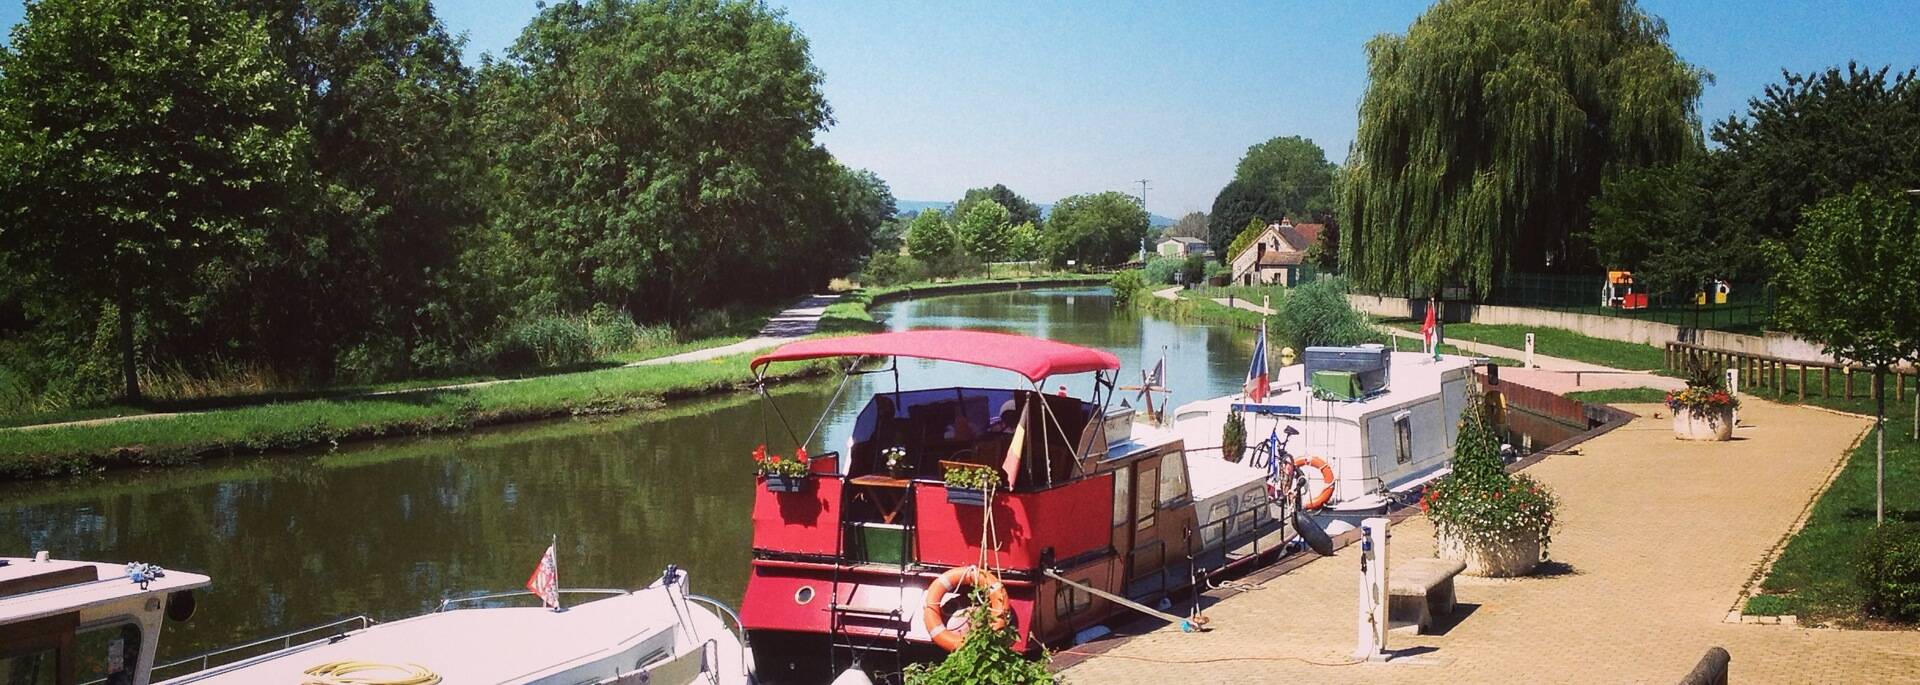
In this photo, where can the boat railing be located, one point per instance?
(450, 601)
(207, 661)
(739, 629)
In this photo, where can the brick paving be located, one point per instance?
(1657, 539)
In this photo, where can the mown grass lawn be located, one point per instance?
(1556, 342)
(1814, 576)
(1620, 396)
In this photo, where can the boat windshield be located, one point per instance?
(968, 425)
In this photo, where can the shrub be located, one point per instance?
(1160, 270)
(1194, 269)
(1888, 570)
(985, 656)
(611, 330)
(1318, 313)
(1478, 502)
(1233, 437)
(542, 340)
(892, 268)
(1706, 389)
(1126, 285)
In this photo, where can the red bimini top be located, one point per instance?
(1035, 358)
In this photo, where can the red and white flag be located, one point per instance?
(1430, 330)
(545, 581)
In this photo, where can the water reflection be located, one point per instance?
(387, 529)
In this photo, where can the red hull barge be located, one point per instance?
(842, 562)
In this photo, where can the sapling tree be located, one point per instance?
(1850, 282)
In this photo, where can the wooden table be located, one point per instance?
(889, 493)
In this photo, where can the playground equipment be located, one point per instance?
(1618, 292)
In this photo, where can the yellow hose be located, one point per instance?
(341, 673)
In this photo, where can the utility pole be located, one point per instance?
(1143, 208)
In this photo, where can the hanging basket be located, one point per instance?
(785, 484)
(966, 497)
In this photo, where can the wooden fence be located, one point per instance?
(1785, 376)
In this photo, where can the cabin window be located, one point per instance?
(1173, 478)
(1121, 493)
(1403, 436)
(108, 653)
(31, 668)
(1143, 498)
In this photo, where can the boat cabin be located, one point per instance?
(68, 622)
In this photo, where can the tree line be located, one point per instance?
(995, 224)
(324, 188)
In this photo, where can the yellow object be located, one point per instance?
(343, 673)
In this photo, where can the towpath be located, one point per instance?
(1657, 540)
(1557, 375)
(800, 320)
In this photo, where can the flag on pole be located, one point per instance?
(1154, 379)
(545, 581)
(1256, 385)
(1429, 331)
(1017, 447)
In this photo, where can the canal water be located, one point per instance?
(388, 529)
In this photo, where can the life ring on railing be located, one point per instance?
(936, 622)
(1326, 480)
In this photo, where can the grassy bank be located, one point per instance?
(1555, 342)
(1620, 396)
(1814, 578)
(288, 423)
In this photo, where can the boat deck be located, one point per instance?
(585, 643)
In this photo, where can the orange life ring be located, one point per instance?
(1326, 477)
(936, 622)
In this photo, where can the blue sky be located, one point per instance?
(1058, 98)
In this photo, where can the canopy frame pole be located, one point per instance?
(844, 378)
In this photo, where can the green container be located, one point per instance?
(877, 543)
(1340, 385)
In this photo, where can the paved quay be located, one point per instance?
(1657, 540)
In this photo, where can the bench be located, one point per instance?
(1418, 590)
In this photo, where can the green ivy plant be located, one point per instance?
(971, 477)
(985, 656)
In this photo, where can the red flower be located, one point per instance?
(800, 454)
(760, 453)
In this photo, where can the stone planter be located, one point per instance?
(1711, 424)
(1497, 561)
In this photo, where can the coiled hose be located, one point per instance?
(344, 673)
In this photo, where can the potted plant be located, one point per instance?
(1498, 523)
(895, 461)
(1704, 409)
(968, 483)
(782, 474)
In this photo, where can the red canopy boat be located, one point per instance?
(843, 557)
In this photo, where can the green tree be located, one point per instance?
(1246, 237)
(1239, 204)
(1487, 128)
(1850, 281)
(1294, 172)
(648, 154)
(141, 141)
(984, 232)
(1019, 209)
(1816, 136)
(1193, 225)
(1095, 229)
(1024, 242)
(930, 238)
(369, 262)
(1665, 223)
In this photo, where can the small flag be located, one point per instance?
(545, 581)
(1256, 386)
(1429, 331)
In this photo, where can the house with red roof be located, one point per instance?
(1276, 255)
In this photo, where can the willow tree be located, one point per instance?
(1487, 128)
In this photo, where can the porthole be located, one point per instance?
(803, 595)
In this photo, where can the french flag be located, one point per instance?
(1256, 386)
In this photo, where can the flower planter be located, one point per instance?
(967, 497)
(1495, 560)
(1708, 424)
(779, 483)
